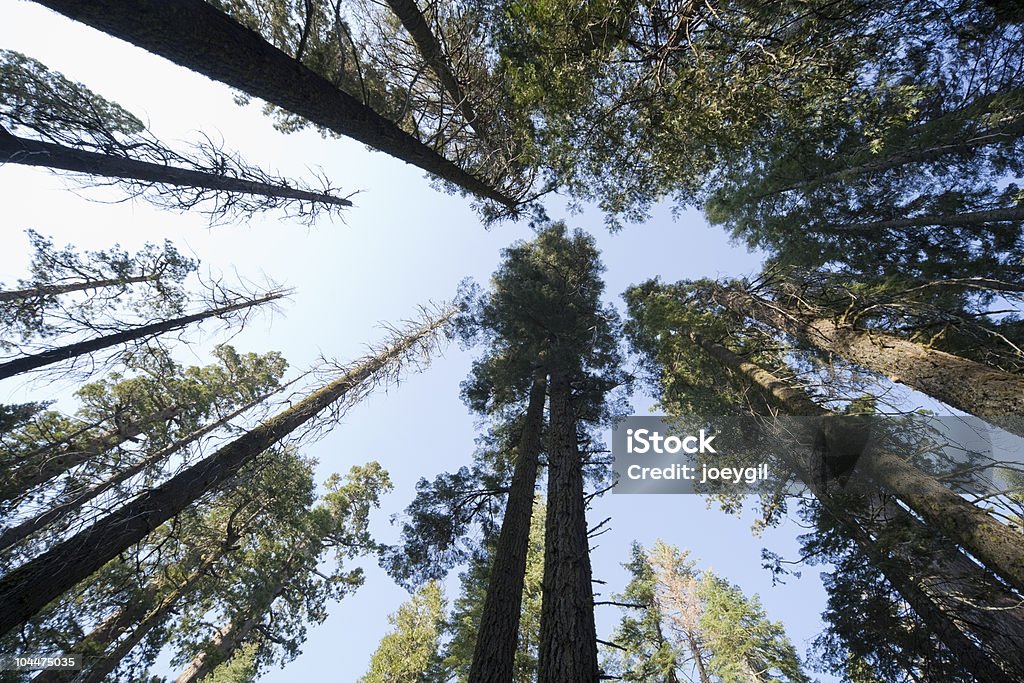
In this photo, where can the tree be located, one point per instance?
(696, 623)
(37, 308)
(136, 334)
(73, 129)
(930, 581)
(202, 38)
(406, 654)
(32, 585)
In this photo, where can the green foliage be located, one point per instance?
(405, 655)
(241, 668)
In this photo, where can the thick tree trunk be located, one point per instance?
(55, 290)
(953, 220)
(416, 24)
(197, 36)
(18, 533)
(961, 603)
(25, 475)
(568, 637)
(27, 152)
(39, 360)
(27, 589)
(494, 653)
(959, 382)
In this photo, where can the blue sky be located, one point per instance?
(403, 244)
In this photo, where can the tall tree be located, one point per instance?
(31, 586)
(202, 38)
(405, 655)
(71, 128)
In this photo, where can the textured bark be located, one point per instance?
(36, 153)
(55, 290)
(39, 360)
(25, 475)
(498, 635)
(964, 384)
(20, 532)
(27, 589)
(568, 637)
(1010, 213)
(958, 601)
(197, 36)
(416, 24)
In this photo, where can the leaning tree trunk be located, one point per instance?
(197, 36)
(964, 384)
(26, 475)
(568, 637)
(430, 48)
(27, 589)
(44, 358)
(952, 220)
(63, 509)
(28, 152)
(497, 638)
(961, 603)
(56, 290)
(94, 646)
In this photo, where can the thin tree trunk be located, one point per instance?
(959, 382)
(94, 646)
(430, 48)
(698, 657)
(1010, 213)
(497, 638)
(568, 637)
(54, 290)
(38, 360)
(999, 610)
(27, 589)
(15, 534)
(199, 37)
(36, 153)
(25, 475)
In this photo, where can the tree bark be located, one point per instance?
(27, 589)
(36, 153)
(25, 475)
(55, 290)
(961, 603)
(568, 637)
(959, 382)
(39, 360)
(953, 220)
(199, 37)
(18, 533)
(497, 638)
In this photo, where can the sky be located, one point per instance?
(403, 244)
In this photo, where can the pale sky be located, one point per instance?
(403, 244)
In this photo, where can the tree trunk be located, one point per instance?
(11, 536)
(497, 639)
(94, 646)
(55, 290)
(1010, 213)
(698, 657)
(199, 37)
(36, 153)
(27, 589)
(38, 360)
(416, 24)
(975, 606)
(25, 475)
(961, 383)
(568, 637)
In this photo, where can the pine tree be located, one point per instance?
(406, 654)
